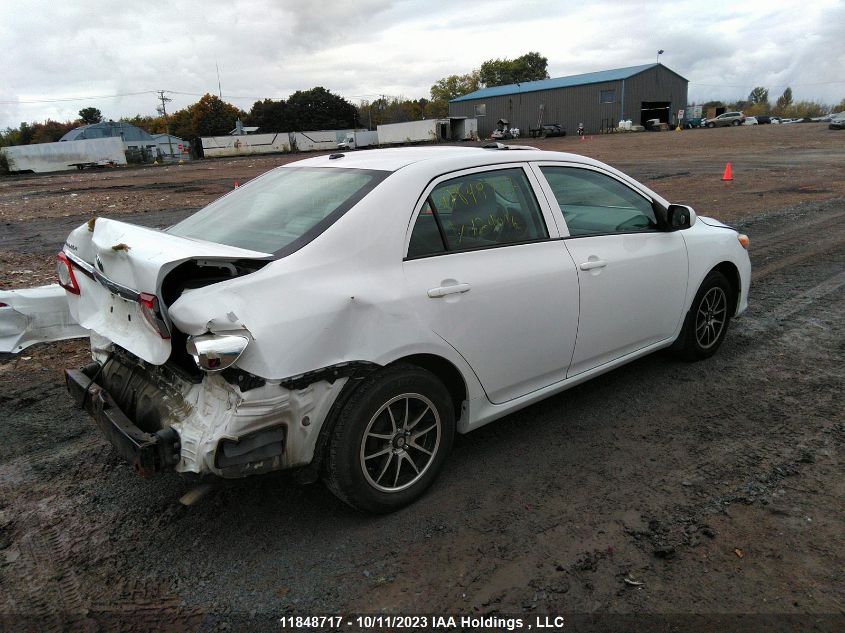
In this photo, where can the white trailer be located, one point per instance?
(358, 139)
(245, 144)
(431, 130)
(46, 157)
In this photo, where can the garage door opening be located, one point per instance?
(655, 110)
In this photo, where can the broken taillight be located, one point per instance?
(64, 270)
(148, 306)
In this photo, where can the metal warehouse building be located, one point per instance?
(598, 100)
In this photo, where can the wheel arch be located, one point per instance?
(731, 273)
(445, 371)
(448, 374)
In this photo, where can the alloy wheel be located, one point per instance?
(400, 442)
(711, 316)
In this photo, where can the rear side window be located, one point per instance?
(596, 204)
(492, 208)
(282, 210)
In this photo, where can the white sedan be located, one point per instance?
(348, 314)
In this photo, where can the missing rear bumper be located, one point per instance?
(149, 453)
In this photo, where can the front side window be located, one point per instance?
(281, 210)
(476, 211)
(593, 203)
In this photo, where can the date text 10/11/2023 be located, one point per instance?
(417, 622)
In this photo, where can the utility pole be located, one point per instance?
(219, 89)
(162, 110)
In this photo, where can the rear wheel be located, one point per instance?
(391, 439)
(737, 122)
(707, 320)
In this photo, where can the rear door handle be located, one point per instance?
(594, 263)
(442, 291)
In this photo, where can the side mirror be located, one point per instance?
(680, 217)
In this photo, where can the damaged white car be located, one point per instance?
(348, 314)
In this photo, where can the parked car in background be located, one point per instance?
(750, 120)
(726, 119)
(348, 314)
(764, 119)
(837, 122)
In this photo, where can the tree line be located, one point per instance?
(784, 106)
(314, 109)
(320, 109)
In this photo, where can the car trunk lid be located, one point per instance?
(119, 262)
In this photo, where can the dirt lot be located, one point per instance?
(718, 485)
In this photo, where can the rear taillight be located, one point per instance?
(215, 352)
(64, 270)
(148, 307)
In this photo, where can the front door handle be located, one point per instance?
(442, 291)
(593, 263)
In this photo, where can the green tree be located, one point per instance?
(449, 88)
(528, 67)
(455, 86)
(758, 101)
(319, 109)
(801, 109)
(758, 95)
(152, 124)
(269, 116)
(784, 102)
(211, 116)
(90, 115)
(50, 131)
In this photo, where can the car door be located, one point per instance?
(632, 273)
(485, 274)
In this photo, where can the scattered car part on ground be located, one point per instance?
(35, 315)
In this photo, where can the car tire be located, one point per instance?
(737, 122)
(708, 318)
(379, 459)
(711, 125)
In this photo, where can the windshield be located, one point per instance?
(282, 210)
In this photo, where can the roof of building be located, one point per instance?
(601, 76)
(163, 137)
(105, 129)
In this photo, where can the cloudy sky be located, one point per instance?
(54, 51)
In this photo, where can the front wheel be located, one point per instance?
(707, 320)
(711, 125)
(391, 439)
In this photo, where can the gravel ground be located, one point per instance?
(714, 488)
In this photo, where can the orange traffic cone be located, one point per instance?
(237, 184)
(727, 175)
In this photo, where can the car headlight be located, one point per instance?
(215, 352)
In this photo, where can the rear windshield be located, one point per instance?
(282, 210)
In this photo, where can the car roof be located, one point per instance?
(393, 159)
